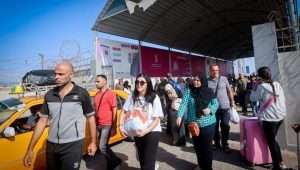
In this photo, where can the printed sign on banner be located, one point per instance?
(121, 56)
(155, 62)
(180, 64)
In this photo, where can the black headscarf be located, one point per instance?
(202, 96)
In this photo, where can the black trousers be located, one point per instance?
(178, 133)
(270, 129)
(147, 149)
(203, 148)
(65, 156)
(223, 118)
(243, 101)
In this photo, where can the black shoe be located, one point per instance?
(216, 147)
(115, 164)
(226, 149)
(129, 139)
(180, 143)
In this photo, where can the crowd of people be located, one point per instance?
(196, 107)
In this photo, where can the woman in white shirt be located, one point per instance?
(272, 111)
(145, 99)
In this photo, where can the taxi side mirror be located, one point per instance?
(9, 132)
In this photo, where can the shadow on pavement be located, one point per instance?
(95, 163)
(124, 165)
(232, 158)
(173, 161)
(165, 138)
(234, 136)
(98, 162)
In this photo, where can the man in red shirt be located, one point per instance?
(106, 110)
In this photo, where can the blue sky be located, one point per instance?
(31, 27)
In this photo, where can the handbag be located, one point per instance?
(194, 129)
(234, 116)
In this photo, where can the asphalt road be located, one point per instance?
(181, 158)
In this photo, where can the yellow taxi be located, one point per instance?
(15, 132)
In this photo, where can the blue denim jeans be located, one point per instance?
(111, 157)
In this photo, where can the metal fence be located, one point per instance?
(288, 39)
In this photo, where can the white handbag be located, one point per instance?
(234, 116)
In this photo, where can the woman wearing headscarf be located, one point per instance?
(201, 104)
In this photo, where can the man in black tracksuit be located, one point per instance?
(64, 107)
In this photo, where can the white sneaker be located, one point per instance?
(156, 166)
(197, 168)
(283, 166)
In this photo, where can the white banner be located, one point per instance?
(121, 56)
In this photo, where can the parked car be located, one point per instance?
(14, 139)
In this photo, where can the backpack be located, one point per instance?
(177, 89)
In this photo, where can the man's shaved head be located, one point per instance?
(67, 64)
(63, 72)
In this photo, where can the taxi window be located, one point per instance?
(27, 121)
(120, 102)
(6, 114)
(2, 107)
(11, 102)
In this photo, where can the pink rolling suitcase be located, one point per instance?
(254, 147)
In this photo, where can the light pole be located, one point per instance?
(42, 60)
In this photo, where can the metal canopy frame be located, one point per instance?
(214, 28)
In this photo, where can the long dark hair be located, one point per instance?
(265, 74)
(150, 94)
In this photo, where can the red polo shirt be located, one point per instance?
(104, 110)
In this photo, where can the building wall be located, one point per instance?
(265, 47)
(285, 69)
(241, 65)
(290, 80)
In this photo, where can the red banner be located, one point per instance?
(180, 64)
(198, 65)
(155, 62)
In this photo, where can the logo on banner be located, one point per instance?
(155, 58)
(156, 63)
(175, 66)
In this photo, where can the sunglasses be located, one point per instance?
(140, 82)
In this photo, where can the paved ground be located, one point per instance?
(182, 158)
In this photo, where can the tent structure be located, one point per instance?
(214, 28)
(39, 77)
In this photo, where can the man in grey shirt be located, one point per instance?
(65, 108)
(222, 89)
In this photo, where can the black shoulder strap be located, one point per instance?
(100, 101)
(216, 92)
